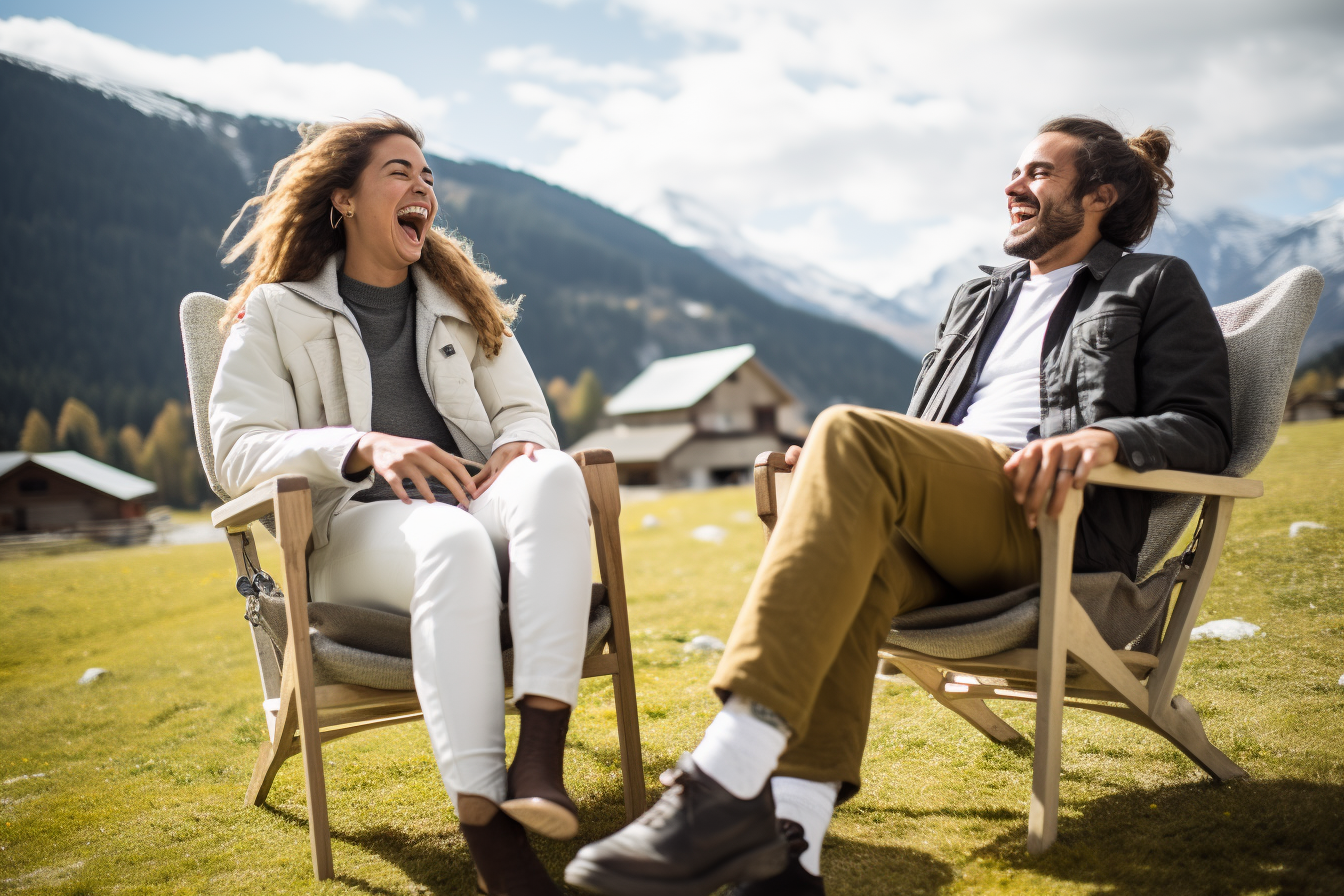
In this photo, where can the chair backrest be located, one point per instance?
(1264, 335)
(203, 343)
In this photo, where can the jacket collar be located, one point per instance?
(322, 290)
(1099, 261)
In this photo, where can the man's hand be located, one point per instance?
(395, 458)
(791, 456)
(1063, 462)
(502, 457)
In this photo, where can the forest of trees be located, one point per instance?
(166, 456)
(91, 287)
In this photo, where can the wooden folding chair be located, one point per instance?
(303, 715)
(1073, 666)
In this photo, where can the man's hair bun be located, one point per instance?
(1153, 144)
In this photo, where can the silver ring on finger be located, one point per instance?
(1063, 470)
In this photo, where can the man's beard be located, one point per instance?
(1054, 225)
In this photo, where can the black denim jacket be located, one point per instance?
(1132, 347)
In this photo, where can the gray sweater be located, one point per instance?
(401, 407)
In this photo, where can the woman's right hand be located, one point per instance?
(395, 458)
(791, 456)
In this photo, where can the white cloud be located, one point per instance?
(904, 118)
(467, 11)
(541, 61)
(341, 9)
(349, 10)
(245, 82)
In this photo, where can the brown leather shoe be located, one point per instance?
(505, 862)
(536, 794)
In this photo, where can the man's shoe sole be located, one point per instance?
(759, 863)
(542, 817)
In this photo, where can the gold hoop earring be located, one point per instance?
(331, 217)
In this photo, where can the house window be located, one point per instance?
(765, 419)
(32, 486)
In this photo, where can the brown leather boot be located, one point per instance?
(505, 862)
(536, 795)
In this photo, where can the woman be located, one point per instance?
(366, 351)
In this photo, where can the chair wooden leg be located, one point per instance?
(1056, 581)
(627, 733)
(981, 717)
(274, 754)
(1182, 726)
(294, 526)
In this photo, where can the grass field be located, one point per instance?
(134, 784)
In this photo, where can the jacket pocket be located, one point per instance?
(1108, 330)
(325, 356)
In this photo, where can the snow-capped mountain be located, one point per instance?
(789, 281)
(1233, 252)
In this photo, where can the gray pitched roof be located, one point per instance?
(676, 383)
(93, 473)
(637, 444)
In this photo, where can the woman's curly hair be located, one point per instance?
(291, 237)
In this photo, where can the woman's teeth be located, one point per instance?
(413, 212)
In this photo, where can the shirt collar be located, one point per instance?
(322, 290)
(1099, 261)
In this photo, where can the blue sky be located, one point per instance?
(868, 137)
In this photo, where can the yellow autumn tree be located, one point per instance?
(36, 434)
(77, 430)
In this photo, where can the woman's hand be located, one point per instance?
(1061, 461)
(791, 456)
(502, 457)
(395, 459)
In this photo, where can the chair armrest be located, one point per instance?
(593, 456)
(258, 502)
(768, 465)
(1177, 481)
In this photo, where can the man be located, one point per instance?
(1080, 355)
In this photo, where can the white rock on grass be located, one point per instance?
(650, 521)
(1224, 630)
(92, 675)
(711, 534)
(704, 644)
(1296, 528)
(1341, 681)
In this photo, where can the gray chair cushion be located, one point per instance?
(1128, 616)
(358, 645)
(1264, 335)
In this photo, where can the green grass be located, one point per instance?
(134, 784)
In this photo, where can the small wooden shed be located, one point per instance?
(62, 490)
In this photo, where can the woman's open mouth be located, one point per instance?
(413, 219)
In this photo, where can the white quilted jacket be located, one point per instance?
(293, 395)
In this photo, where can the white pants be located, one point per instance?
(442, 565)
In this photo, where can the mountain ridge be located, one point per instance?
(117, 199)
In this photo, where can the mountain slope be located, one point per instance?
(116, 200)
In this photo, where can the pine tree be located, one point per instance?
(36, 435)
(77, 430)
(169, 457)
(130, 446)
(584, 407)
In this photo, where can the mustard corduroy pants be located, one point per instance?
(886, 514)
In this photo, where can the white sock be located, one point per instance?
(810, 803)
(741, 747)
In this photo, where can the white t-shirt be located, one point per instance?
(1007, 398)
